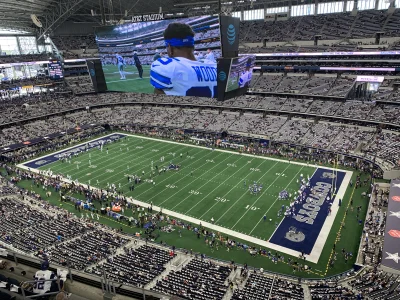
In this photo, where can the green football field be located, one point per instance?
(132, 83)
(209, 184)
(232, 83)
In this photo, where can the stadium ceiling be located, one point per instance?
(16, 14)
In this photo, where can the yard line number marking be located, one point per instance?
(220, 199)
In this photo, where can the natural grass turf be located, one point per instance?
(221, 181)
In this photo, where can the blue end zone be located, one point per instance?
(309, 215)
(42, 161)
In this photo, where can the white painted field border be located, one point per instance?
(82, 170)
(246, 193)
(169, 176)
(201, 200)
(123, 80)
(229, 151)
(180, 216)
(270, 205)
(326, 228)
(74, 146)
(283, 215)
(100, 158)
(198, 188)
(183, 177)
(328, 223)
(313, 257)
(224, 230)
(71, 167)
(317, 250)
(124, 171)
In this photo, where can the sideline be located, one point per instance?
(322, 237)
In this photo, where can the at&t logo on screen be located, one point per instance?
(222, 76)
(92, 72)
(231, 34)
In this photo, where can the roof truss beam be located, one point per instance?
(58, 14)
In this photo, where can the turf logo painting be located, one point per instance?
(300, 231)
(295, 235)
(41, 162)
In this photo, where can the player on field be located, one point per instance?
(138, 64)
(121, 63)
(181, 74)
(246, 75)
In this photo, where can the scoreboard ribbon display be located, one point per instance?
(55, 70)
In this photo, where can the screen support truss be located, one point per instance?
(58, 15)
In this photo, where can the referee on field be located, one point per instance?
(138, 64)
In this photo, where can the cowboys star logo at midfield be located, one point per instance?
(395, 257)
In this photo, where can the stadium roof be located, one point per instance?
(16, 14)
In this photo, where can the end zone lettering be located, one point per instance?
(313, 203)
(300, 232)
(151, 17)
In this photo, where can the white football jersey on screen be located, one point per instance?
(245, 78)
(120, 59)
(210, 58)
(180, 76)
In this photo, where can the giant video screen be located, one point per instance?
(175, 57)
(241, 72)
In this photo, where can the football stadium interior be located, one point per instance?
(124, 176)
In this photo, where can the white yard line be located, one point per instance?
(283, 216)
(236, 153)
(131, 171)
(262, 194)
(202, 157)
(112, 156)
(245, 193)
(198, 188)
(317, 250)
(133, 154)
(207, 183)
(326, 228)
(72, 147)
(123, 80)
(98, 157)
(222, 229)
(167, 177)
